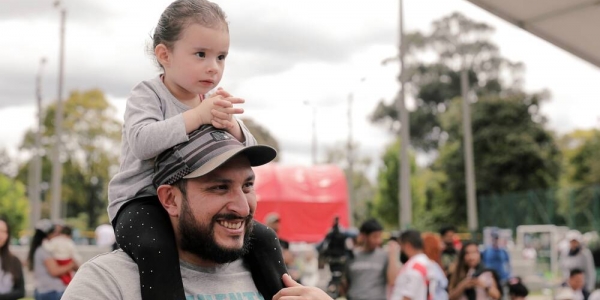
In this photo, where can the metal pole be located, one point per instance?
(468, 145)
(350, 156)
(405, 199)
(37, 156)
(56, 163)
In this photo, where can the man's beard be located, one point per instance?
(199, 239)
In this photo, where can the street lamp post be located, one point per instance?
(35, 191)
(56, 163)
(405, 206)
(350, 157)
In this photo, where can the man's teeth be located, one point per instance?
(229, 225)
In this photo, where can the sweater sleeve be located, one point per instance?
(590, 270)
(146, 130)
(249, 138)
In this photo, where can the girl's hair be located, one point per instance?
(10, 263)
(182, 13)
(460, 272)
(36, 242)
(432, 247)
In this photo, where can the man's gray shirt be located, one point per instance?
(366, 274)
(114, 276)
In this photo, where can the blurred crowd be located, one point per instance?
(362, 264)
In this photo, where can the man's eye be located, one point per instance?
(219, 187)
(201, 54)
(249, 184)
(222, 57)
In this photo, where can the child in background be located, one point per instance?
(63, 251)
(190, 43)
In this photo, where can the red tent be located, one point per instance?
(307, 198)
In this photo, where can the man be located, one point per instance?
(497, 259)
(578, 256)
(412, 282)
(576, 283)
(371, 270)
(206, 188)
(450, 251)
(273, 221)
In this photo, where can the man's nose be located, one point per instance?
(239, 203)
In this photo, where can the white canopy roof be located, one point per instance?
(573, 25)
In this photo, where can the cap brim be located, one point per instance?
(257, 155)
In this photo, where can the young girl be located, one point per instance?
(191, 42)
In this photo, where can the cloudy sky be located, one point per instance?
(283, 53)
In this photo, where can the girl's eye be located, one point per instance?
(222, 57)
(201, 54)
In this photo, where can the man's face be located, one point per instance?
(216, 219)
(576, 282)
(448, 237)
(373, 240)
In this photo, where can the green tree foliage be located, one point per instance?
(90, 144)
(513, 151)
(262, 135)
(579, 202)
(14, 205)
(455, 41)
(585, 159)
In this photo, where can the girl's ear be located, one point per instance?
(162, 54)
(167, 195)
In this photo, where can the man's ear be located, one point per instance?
(162, 55)
(168, 197)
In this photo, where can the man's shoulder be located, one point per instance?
(115, 270)
(110, 258)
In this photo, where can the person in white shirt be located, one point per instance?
(412, 281)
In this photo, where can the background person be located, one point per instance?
(470, 280)
(516, 289)
(451, 248)
(438, 282)
(63, 250)
(412, 282)
(372, 269)
(576, 283)
(578, 257)
(12, 282)
(46, 271)
(497, 258)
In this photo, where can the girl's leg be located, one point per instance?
(265, 260)
(143, 230)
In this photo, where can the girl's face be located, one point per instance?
(3, 233)
(472, 256)
(196, 62)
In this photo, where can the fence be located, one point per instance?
(577, 208)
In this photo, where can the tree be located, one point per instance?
(14, 205)
(90, 138)
(262, 135)
(585, 157)
(456, 42)
(513, 151)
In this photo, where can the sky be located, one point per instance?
(286, 58)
